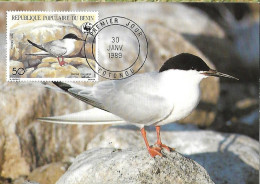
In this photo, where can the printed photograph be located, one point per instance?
(129, 93)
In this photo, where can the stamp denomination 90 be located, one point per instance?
(49, 46)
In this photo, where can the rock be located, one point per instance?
(23, 180)
(246, 103)
(30, 182)
(133, 166)
(48, 174)
(49, 68)
(56, 71)
(13, 158)
(86, 52)
(50, 60)
(34, 63)
(44, 72)
(240, 46)
(245, 34)
(228, 158)
(76, 61)
(236, 102)
(28, 72)
(224, 57)
(67, 71)
(85, 71)
(72, 61)
(43, 64)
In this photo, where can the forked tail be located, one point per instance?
(88, 117)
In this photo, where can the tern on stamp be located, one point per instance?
(155, 98)
(58, 48)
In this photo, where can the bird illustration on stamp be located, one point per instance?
(58, 48)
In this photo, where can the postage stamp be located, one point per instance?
(50, 46)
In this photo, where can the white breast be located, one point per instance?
(182, 88)
(70, 46)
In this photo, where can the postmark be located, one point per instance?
(122, 47)
(50, 46)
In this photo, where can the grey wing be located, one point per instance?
(76, 91)
(55, 48)
(132, 99)
(136, 99)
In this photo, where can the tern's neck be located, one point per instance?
(69, 41)
(182, 77)
(182, 87)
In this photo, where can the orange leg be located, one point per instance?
(153, 151)
(159, 143)
(62, 62)
(59, 61)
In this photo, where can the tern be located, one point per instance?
(155, 98)
(58, 48)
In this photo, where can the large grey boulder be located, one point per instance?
(133, 166)
(228, 158)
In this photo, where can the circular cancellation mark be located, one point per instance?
(119, 47)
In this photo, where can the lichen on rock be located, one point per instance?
(110, 165)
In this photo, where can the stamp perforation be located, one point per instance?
(21, 12)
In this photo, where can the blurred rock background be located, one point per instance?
(226, 36)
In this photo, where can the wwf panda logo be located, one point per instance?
(86, 27)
